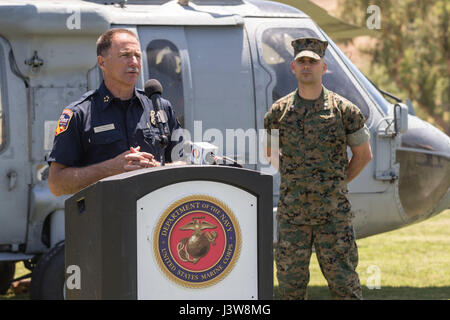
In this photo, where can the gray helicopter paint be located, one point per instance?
(69, 69)
(14, 157)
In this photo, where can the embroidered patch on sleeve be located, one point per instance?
(63, 122)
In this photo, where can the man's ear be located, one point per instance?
(100, 62)
(293, 66)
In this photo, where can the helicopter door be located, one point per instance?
(15, 176)
(209, 85)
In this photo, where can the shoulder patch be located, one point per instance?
(63, 121)
(66, 115)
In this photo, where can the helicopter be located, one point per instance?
(222, 63)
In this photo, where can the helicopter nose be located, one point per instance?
(424, 179)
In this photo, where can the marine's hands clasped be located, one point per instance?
(136, 159)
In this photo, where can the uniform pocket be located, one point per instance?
(328, 130)
(290, 133)
(106, 145)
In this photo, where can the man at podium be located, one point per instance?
(112, 129)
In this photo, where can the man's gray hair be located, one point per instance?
(105, 40)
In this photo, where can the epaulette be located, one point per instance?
(340, 100)
(280, 103)
(286, 97)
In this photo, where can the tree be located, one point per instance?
(412, 48)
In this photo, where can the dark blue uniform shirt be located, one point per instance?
(99, 127)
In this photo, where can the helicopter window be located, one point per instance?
(164, 64)
(424, 175)
(278, 53)
(374, 93)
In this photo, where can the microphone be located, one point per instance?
(153, 90)
(153, 86)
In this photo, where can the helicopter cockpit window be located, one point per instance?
(164, 64)
(278, 53)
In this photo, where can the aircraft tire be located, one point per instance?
(7, 270)
(47, 281)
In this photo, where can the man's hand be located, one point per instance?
(67, 180)
(273, 157)
(138, 160)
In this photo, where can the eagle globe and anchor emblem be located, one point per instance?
(195, 247)
(197, 241)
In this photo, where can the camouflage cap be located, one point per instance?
(309, 47)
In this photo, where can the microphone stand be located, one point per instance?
(153, 91)
(163, 142)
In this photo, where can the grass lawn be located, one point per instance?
(413, 263)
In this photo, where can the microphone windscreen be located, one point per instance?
(152, 86)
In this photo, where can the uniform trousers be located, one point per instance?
(336, 251)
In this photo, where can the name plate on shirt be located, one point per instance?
(105, 127)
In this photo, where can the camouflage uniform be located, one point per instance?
(313, 207)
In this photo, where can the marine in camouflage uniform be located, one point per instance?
(313, 206)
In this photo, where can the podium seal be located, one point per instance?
(197, 241)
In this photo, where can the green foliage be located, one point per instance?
(413, 48)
